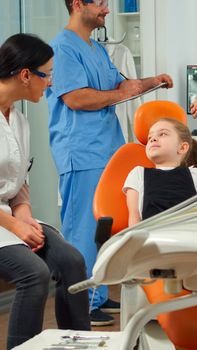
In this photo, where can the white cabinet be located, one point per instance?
(44, 18)
(127, 22)
(143, 48)
(119, 23)
(9, 18)
(9, 24)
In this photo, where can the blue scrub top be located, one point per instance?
(81, 139)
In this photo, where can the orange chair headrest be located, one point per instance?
(150, 112)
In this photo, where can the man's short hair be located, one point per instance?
(69, 5)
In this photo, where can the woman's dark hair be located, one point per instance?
(23, 51)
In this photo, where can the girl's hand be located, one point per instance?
(193, 109)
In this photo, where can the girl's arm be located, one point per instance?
(132, 204)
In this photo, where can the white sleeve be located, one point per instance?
(22, 197)
(134, 180)
(194, 176)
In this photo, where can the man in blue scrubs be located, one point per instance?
(84, 129)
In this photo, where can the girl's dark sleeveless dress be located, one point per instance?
(165, 188)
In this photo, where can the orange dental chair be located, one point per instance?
(180, 326)
(109, 201)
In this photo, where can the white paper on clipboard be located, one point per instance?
(143, 93)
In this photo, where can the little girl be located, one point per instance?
(174, 179)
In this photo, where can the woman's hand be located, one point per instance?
(29, 233)
(31, 221)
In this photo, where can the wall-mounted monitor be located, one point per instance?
(191, 85)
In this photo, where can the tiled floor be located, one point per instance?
(49, 320)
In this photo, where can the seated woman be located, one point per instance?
(30, 252)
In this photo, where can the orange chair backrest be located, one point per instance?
(150, 112)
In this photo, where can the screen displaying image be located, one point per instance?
(191, 85)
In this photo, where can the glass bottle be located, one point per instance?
(135, 40)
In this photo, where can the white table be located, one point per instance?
(47, 338)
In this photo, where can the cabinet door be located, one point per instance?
(9, 18)
(44, 18)
(9, 23)
(140, 36)
(128, 23)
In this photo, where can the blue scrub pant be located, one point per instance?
(78, 223)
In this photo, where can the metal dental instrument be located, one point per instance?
(86, 337)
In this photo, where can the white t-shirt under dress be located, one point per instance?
(135, 180)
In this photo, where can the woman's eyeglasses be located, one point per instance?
(40, 74)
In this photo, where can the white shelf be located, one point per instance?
(128, 14)
(125, 22)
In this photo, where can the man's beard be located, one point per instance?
(94, 23)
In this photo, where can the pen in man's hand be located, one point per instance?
(124, 76)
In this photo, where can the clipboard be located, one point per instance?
(162, 85)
